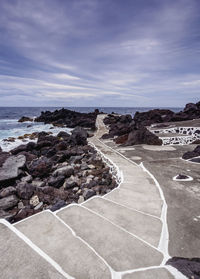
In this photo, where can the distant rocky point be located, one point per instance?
(128, 130)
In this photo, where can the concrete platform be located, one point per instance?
(183, 199)
(57, 240)
(136, 201)
(141, 225)
(19, 261)
(121, 250)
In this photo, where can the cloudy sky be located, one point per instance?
(99, 52)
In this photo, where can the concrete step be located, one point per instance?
(121, 250)
(58, 241)
(146, 227)
(20, 261)
(135, 200)
(156, 273)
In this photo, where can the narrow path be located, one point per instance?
(122, 235)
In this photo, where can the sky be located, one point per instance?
(126, 53)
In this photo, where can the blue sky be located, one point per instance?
(99, 52)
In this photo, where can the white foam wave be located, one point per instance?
(17, 132)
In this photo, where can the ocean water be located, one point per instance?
(10, 127)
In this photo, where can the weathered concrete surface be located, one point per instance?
(121, 250)
(157, 273)
(19, 261)
(136, 201)
(183, 199)
(146, 227)
(56, 240)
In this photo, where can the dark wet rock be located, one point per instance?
(88, 193)
(29, 156)
(66, 171)
(189, 267)
(42, 135)
(58, 205)
(43, 143)
(192, 154)
(6, 215)
(63, 135)
(143, 136)
(121, 139)
(7, 191)
(56, 182)
(63, 145)
(25, 190)
(40, 167)
(8, 202)
(71, 182)
(25, 119)
(11, 169)
(79, 136)
(182, 176)
(38, 183)
(18, 149)
(3, 157)
(24, 213)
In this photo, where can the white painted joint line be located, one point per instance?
(140, 269)
(119, 227)
(130, 208)
(87, 244)
(36, 249)
(164, 239)
(177, 274)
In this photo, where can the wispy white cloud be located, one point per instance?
(55, 49)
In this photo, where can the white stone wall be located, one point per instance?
(190, 135)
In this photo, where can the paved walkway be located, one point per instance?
(122, 235)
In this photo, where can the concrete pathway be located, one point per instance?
(122, 235)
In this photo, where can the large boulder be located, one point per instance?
(25, 119)
(192, 154)
(40, 167)
(8, 202)
(25, 190)
(57, 181)
(79, 136)
(8, 191)
(65, 171)
(11, 169)
(3, 157)
(18, 149)
(143, 136)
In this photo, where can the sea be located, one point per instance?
(11, 128)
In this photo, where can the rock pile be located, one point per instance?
(130, 131)
(127, 131)
(49, 174)
(68, 118)
(193, 156)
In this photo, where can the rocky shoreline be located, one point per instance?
(128, 130)
(51, 173)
